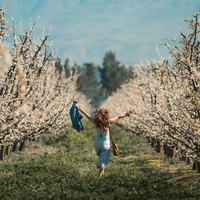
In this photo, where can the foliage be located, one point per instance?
(60, 68)
(89, 85)
(97, 89)
(71, 172)
(112, 74)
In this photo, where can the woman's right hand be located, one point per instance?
(75, 105)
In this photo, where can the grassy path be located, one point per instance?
(71, 172)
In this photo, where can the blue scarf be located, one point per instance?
(76, 118)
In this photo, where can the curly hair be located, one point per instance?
(101, 119)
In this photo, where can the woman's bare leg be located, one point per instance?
(101, 171)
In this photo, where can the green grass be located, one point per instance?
(71, 172)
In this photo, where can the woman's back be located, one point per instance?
(102, 135)
(102, 139)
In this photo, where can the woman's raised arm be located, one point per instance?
(86, 114)
(113, 120)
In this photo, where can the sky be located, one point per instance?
(85, 30)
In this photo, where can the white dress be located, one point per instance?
(102, 146)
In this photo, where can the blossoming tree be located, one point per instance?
(34, 99)
(166, 96)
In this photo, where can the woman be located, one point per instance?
(102, 143)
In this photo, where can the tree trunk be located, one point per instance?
(148, 139)
(26, 142)
(15, 147)
(22, 145)
(198, 162)
(171, 148)
(198, 167)
(158, 146)
(187, 159)
(194, 167)
(176, 154)
(152, 142)
(2, 153)
(165, 149)
(183, 155)
(7, 151)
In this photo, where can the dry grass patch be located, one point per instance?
(4, 175)
(35, 149)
